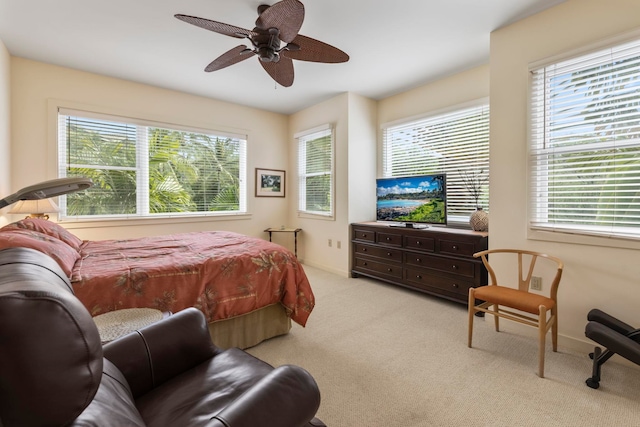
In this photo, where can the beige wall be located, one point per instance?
(451, 91)
(318, 230)
(362, 152)
(596, 275)
(5, 128)
(36, 86)
(354, 120)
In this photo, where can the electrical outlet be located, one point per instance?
(536, 283)
(338, 244)
(330, 243)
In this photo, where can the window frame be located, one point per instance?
(301, 175)
(58, 108)
(580, 233)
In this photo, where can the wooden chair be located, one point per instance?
(533, 309)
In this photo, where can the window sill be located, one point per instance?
(581, 239)
(123, 222)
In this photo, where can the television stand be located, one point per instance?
(411, 225)
(407, 225)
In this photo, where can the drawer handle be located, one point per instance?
(364, 235)
(388, 238)
(455, 267)
(454, 247)
(388, 253)
(419, 260)
(389, 270)
(418, 243)
(365, 264)
(455, 285)
(364, 249)
(419, 277)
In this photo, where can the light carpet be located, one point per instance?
(386, 356)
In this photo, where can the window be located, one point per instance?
(315, 171)
(143, 169)
(585, 144)
(455, 143)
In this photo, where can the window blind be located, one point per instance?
(585, 144)
(315, 171)
(455, 143)
(148, 169)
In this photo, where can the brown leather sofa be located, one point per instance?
(55, 372)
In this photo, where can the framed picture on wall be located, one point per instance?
(269, 183)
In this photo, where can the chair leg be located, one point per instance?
(496, 318)
(554, 329)
(542, 333)
(594, 381)
(472, 302)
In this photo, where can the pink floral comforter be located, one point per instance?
(223, 274)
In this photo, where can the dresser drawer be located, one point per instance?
(426, 280)
(426, 244)
(458, 267)
(393, 255)
(389, 239)
(363, 234)
(451, 247)
(367, 265)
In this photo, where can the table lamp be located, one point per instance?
(35, 208)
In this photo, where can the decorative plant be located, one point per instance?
(474, 181)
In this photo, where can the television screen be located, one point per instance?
(412, 199)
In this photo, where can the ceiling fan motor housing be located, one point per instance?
(267, 44)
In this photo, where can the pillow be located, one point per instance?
(47, 227)
(64, 255)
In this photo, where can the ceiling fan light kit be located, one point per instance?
(275, 40)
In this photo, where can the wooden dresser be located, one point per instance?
(435, 260)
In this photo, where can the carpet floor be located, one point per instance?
(386, 356)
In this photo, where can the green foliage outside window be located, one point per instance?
(186, 172)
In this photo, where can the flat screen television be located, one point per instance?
(409, 200)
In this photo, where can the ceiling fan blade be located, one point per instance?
(315, 51)
(281, 71)
(286, 15)
(233, 56)
(217, 27)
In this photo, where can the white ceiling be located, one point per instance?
(393, 45)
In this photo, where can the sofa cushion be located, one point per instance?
(49, 228)
(64, 254)
(113, 404)
(181, 402)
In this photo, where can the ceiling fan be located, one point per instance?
(275, 40)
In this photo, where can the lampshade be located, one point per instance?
(35, 208)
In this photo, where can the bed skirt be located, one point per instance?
(250, 329)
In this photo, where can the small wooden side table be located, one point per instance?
(295, 232)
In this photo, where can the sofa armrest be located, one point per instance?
(156, 353)
(287, 397)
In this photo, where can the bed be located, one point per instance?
(249, 289)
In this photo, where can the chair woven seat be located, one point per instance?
(514, 298)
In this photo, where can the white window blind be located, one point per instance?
(315, 171)
(585, 144)
(143, 169)
(455, 143)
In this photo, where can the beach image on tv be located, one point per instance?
(412, 199)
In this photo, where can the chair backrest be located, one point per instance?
(526, 264)
(51, 356)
